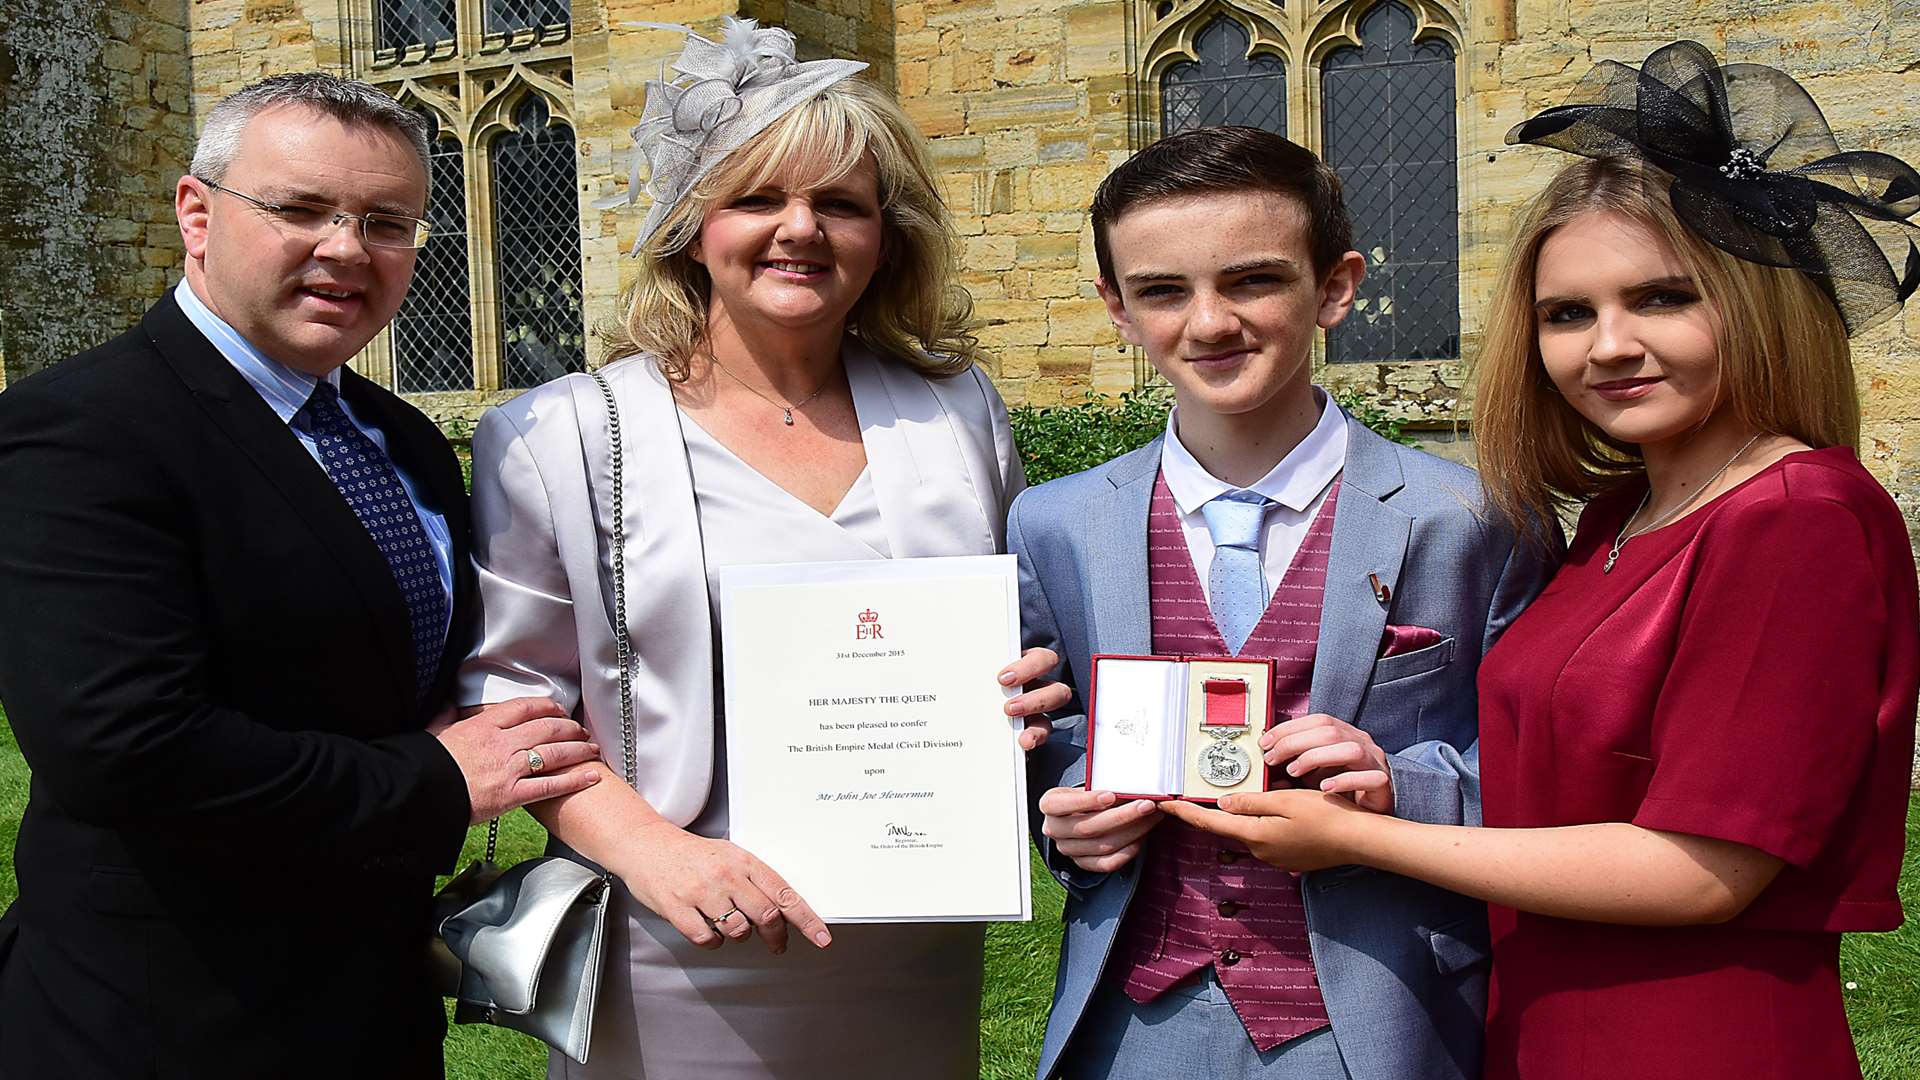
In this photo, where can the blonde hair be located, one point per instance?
(1785, 367)
(914, 309)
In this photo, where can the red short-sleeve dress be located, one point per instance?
(1746, 673)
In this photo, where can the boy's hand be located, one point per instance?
(1033, 665)
(1333, 756)
(1094, 828)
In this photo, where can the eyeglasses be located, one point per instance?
(316, 220)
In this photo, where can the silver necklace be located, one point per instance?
(1620, 541)
(787, 410)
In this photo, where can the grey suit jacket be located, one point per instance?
(1402, 964)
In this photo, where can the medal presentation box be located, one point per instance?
(1178, 727)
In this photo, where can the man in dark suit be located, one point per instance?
(234, 584)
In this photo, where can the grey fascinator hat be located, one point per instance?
(1755, 170)
(722, 94)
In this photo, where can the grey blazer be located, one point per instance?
(1402, 964)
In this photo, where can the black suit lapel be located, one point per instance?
(235, 408)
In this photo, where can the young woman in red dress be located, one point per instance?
(1695, 745)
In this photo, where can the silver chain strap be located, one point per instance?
(622, 644)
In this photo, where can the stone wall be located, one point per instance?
(94, 101)
(1027, 105)
(236, 42)
(860, 29)
(1025, 101)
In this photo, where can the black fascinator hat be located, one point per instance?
(1755, 170)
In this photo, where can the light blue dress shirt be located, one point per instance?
(286, 391)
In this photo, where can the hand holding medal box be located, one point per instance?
(1178, 727)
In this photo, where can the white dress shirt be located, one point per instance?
(1298, 486)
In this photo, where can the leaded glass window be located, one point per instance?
(1226, 86)
(432, 335)
(400, 23)
(506, 15)
(536, 234)
(1389, 115)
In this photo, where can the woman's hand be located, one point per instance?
(1032, 666)
(1321, 751)
(713, 891)
(1294, 829)
(1094, 828)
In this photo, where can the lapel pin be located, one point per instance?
(1380, 590)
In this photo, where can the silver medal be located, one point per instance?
(1223, 764)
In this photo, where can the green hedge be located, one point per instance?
(1062, 439)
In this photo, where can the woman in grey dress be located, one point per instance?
(794, 383)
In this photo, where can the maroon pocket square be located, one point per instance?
(1405, 639)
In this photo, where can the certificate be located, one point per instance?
(868, 759)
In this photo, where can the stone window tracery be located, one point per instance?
(1380, 111)
(505, 16)
(433, 333)
(1225, 85)
(1388, 108)
(401, 23)
(537, 237)
(497, 298)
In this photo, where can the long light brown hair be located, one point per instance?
(1785, 367)
(914, 310)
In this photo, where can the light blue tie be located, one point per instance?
(1236, 584)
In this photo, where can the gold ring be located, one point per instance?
(535, 762)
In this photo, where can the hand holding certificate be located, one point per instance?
(868, 760)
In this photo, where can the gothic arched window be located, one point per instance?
(433, 333)
(508, 15)
(1226, 86)
(536, 235)
(1388, 108)
(400, 23)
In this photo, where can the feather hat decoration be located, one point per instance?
(722, 94)
(1755, 170)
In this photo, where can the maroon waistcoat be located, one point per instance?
(1204, 899)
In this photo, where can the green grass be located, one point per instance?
(1883, 1005)
(1013, 1010)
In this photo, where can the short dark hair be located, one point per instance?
(1215, 160)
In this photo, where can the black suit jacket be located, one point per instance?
(236, 813)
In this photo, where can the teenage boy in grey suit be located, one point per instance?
(1222, 253)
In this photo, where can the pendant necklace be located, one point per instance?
(1620, 541)
(786, 410)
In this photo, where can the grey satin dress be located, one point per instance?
(883, 1001)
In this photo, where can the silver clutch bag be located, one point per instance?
(521, 948)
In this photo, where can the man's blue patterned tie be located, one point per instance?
(1236, 583)
(373, 490)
